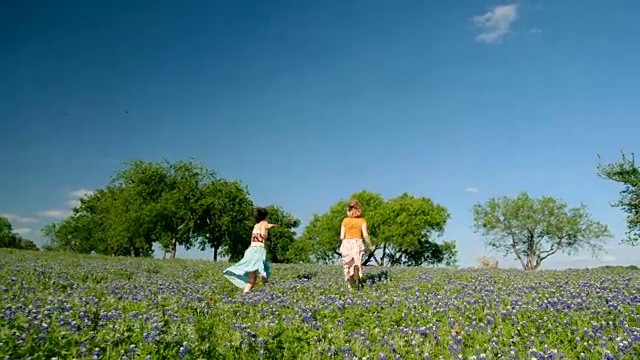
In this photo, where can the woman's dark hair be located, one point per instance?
(261, 215)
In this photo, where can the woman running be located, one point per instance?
(243, 273)
(352, 231)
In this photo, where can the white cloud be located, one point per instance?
(22, 231)
(80, 193)
(75, 195)
(496, 23)
(18, 218)
(56, 214)
(534, 31)
(73, 203)
(472, 190)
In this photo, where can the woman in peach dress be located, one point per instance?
(352, 231)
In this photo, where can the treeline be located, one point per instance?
(184, 203)
(12, 240)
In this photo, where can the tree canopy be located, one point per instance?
(283, 247)
(171, 204)
(10, 239)
(224, 218)
(626, 173)
(535, 229)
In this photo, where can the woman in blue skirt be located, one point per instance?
(243, 273)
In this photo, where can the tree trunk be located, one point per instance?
(215, 253)
(368, 259)
(384, 254)
(174, 249)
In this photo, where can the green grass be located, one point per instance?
(72, 306)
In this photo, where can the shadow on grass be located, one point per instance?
(374, 277)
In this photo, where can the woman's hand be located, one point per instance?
(372, 248)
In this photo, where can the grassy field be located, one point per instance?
(69, 306)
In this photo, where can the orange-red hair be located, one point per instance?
(354, 209)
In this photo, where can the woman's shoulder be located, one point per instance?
(355, 220)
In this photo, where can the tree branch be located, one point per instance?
(545, 254)
(368, 259)
(515, 250)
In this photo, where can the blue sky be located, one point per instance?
(308, 102)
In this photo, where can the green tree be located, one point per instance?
(450, 254)
(126, 222)
(8, 238)
(626, 173)
(145, 207)
(11, 239)
(406, 226)
(107, 222)
(299, 252)
(280, 245)
(144, 203)
(157, 202)
(224, 218)
(49, 232)
(535, 229)
(26, 244)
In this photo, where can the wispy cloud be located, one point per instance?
(56, 214)
(18, 219)
(77, 195)
(80, 193)
(496, 24)
(533, 31)
(22, 231)
(472, 190)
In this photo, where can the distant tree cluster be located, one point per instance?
(184, 203)
(169, 204)
(12, 240)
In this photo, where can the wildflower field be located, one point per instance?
(70, 306)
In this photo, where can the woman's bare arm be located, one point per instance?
(342, 231)
(365, 234)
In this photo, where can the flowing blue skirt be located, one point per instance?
(255, 259)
